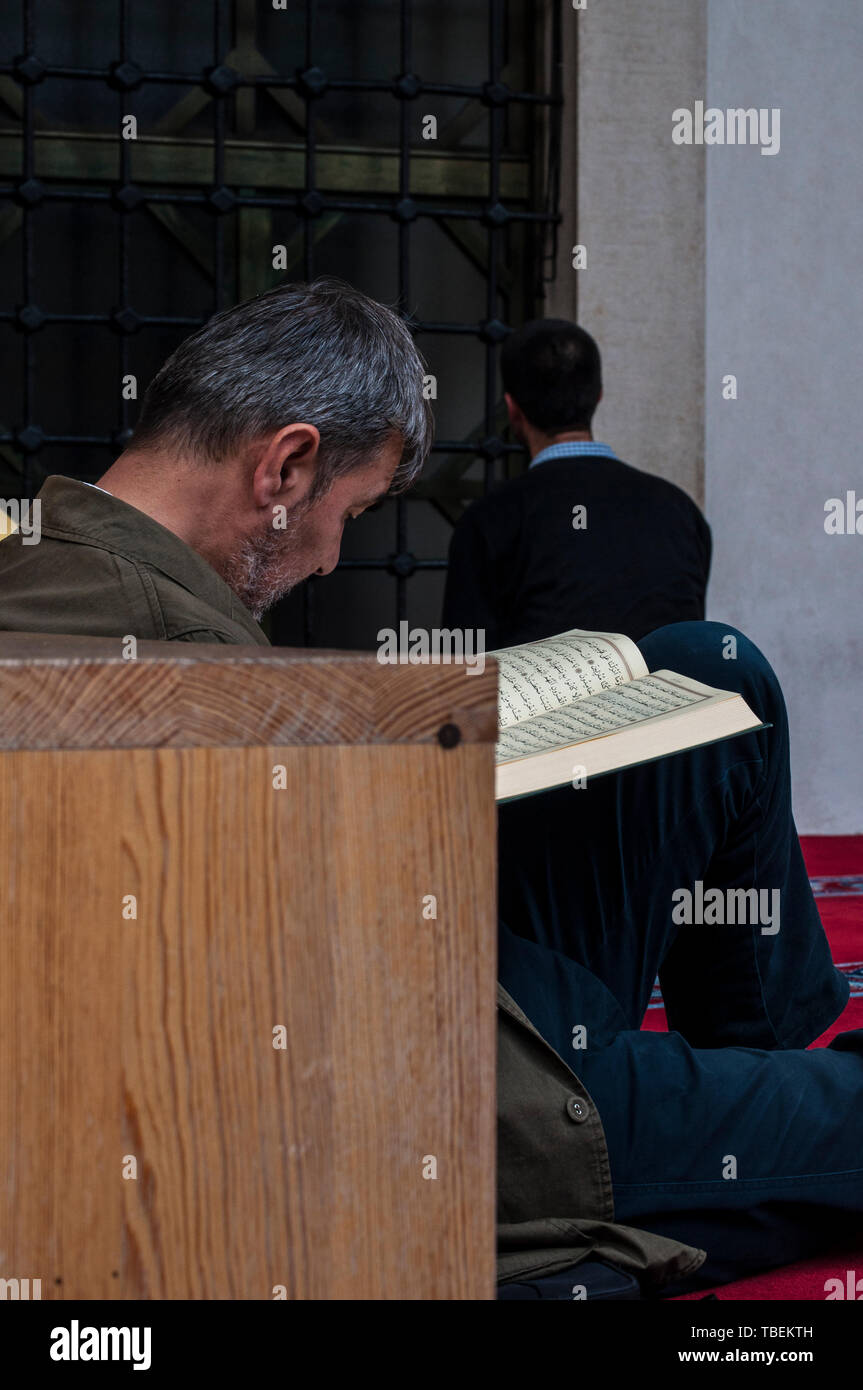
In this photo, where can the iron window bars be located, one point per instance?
(43, 178)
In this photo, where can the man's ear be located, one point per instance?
(513, 410)
(285, 466)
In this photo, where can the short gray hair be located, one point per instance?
(323, 353)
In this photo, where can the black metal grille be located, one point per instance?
(233, 183)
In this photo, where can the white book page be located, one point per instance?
(543, 676)
(663, 693)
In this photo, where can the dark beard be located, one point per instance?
(259, 571)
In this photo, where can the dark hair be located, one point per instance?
(552, 369)
(323, 353)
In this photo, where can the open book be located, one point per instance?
(574, 706)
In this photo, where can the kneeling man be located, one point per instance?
(258, 440)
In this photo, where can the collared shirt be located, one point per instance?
(579, 539)
(573, 448)
(103, 568)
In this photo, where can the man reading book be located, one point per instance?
(612, 1141)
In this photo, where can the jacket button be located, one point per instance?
(576, 1109)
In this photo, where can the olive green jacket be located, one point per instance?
(103, 568)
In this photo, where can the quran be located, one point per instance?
(584, 703)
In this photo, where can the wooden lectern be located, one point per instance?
(247, 973)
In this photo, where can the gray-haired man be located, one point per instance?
(257, 440)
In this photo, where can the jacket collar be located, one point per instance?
(72, 511)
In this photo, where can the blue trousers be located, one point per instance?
(725, 1132)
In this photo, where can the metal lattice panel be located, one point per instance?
(216, 185)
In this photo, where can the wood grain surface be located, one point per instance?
(152, 1038)
(80, 692)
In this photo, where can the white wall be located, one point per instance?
(784, 313)
(640, 214)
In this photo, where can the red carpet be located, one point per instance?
(835, 866)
